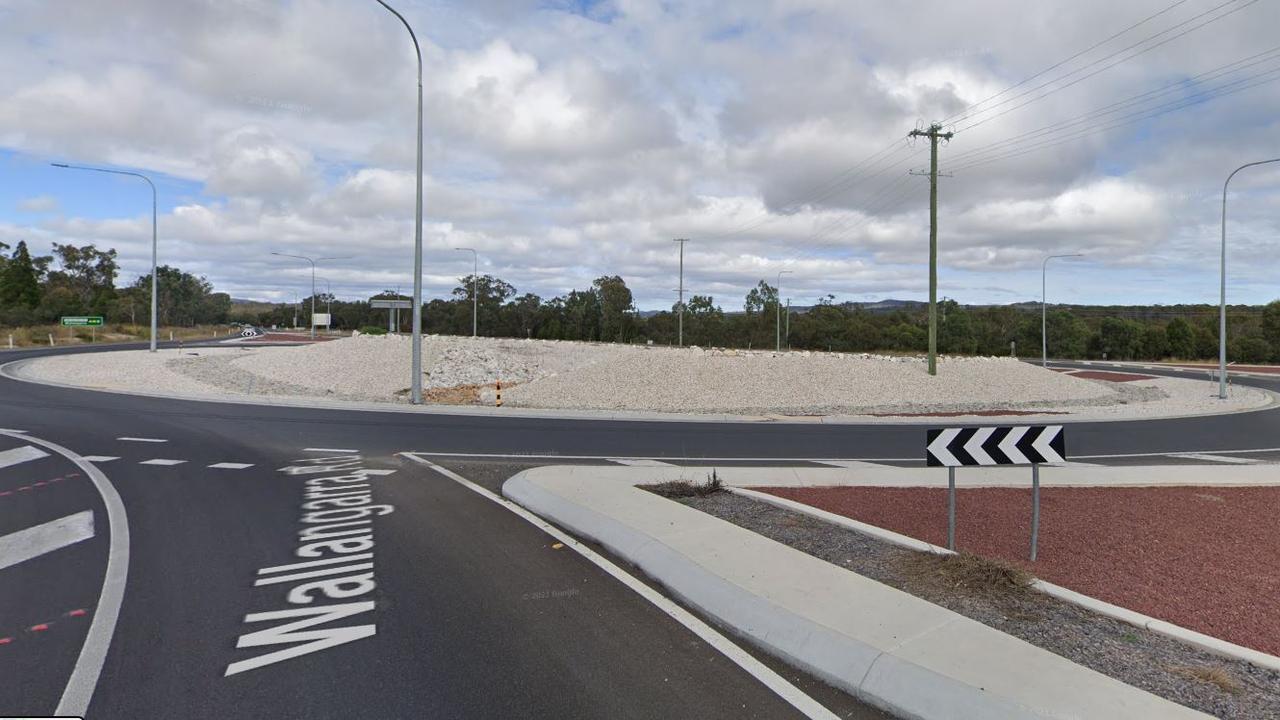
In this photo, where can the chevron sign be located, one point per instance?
(1025, 445)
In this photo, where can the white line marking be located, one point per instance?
(161, 461)
(45, 538)
(694, 460)
(20, 455)
(134, 439)
(11, 430)
(231, 466)
(770, 679)
(100, 458)
(1218, 458)
(79, 690)
(634, 462)
(333, 450)
(851, 464)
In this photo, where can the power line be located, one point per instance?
(1023, 94)
(1060, 63)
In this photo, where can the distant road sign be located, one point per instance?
(1023, 445)
(82, 321)
(320, 319)
(385, 304)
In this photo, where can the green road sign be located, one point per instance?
(82, 321)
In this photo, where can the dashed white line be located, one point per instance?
(231, 466)
(161, 461)
(45, 538)
(20, 455)
(100, 458)
(137, 439)
(640, 462)
(1218, 458)
(780, 686)
(335, 450)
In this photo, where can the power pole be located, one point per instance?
(680, 290)
(934, 133)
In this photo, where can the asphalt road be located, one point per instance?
(461, 609)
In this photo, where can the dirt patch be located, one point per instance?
(1205, 560)
(456, 395)
(1110, 376)
(991, 593)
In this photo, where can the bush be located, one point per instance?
(373, 330)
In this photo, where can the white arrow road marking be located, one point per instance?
(974, 446)
(1041, 444)
(45, 538)
(1009, 445)
(939, 447)
(20, 455)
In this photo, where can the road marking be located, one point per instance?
(134, 439)
(100, 458)
(332, 450)
(11, 430)
(20, 455)
(231, 466)
(672, 460)
(84, 677)
(767, 677)
(161, 461)
(45, 538)
(1218, 458)
(852, 464)
(640, 462)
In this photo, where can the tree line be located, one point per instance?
(605, 312)
(39, 289)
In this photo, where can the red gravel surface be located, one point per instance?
(1207, 559)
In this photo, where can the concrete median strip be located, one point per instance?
(892, 649)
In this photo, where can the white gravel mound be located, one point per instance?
(606, 377)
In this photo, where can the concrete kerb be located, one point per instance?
(13, 371)
(891, 649)
(1177, 632)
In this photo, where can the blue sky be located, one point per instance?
(571, 140)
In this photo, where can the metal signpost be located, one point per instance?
(989, 446)
(395, 305)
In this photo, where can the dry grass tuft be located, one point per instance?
(684, 488)
(964, 571)
(1213, 675)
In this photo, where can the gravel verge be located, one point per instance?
(1144, 659)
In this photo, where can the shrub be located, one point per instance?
(373, 330)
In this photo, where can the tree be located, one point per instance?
(490, 294)
(1180, 339)
(89, 273)
(20, 283)
(1155, 343)
(1120, 339)
(616, 308)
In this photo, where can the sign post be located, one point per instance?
(990, 446)
(395, 305)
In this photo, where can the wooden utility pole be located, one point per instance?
(934, 133)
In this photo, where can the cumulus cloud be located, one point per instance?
(566, 142)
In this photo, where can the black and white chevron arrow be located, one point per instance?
(1021, 445)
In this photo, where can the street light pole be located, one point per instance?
(778, 330)
(154, 283)
(680, 291)
(313, 262)
(1044, 337)
(475, 270)
(416, 385)
(1222, 301)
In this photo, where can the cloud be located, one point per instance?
(38, 204)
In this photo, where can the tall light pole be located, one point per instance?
(475, 296)
(680, 291)
(1222, 301)
(313, 262)
(416, 386)
(1044, 338)
(154, 283)
(779, 304)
